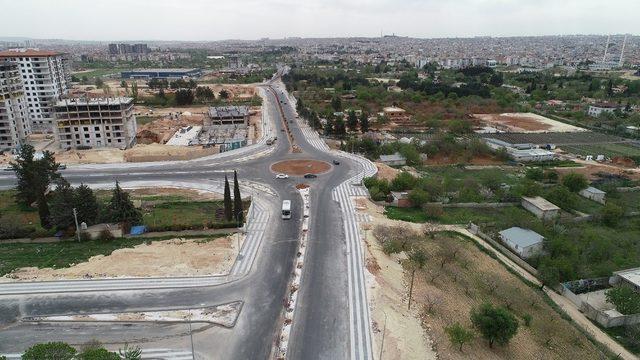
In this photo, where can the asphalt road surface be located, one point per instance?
(321, 325)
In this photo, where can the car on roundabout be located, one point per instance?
(282, 176)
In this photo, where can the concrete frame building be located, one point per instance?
(102, 122)
(15, 125)
(45, 79)
(229, 115)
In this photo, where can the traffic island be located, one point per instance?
(301, 167)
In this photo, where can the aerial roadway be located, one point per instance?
(331, 318)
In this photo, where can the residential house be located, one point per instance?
(524, 242)
(540, 207)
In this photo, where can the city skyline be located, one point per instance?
(198, 21)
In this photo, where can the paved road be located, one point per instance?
(329, 290)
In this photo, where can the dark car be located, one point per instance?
(310, 176)
(336, 162)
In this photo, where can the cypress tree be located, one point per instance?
(237, 199)
(86, 204)
(121, 209)
(228, 210)
(62, 206)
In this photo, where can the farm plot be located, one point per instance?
(608, 150)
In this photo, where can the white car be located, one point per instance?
(282, 176)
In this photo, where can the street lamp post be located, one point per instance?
(75, 217)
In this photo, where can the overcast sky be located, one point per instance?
(254, 19)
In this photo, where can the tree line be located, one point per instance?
(37, 177)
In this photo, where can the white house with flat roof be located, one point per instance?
(524, 242)
(594, 194)
(629, 277)
(540, 207)
(393, 160)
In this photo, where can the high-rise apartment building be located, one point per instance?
(101, 122)
(14, 121)
(45, 79)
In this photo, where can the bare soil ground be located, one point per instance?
(590, 170)
(449, 160)
(386, 172)
(445, 292)
(300, 167)
(177, 257)
(525, 122)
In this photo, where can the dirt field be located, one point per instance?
(451, 288)
(449, 160)
(525, 122)
(590, 169)
(386, 172)
(177, 257)
(300, 167)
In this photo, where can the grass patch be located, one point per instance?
(23, 217)
(65, 253)
(143, 119)
(630, 340)
(608, 150)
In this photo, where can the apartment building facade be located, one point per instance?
(45, 79)
(14, 121)
(95, 123)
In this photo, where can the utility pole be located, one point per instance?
(75, 217)
(193, 354)
(384, 331)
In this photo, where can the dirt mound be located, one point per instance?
(623, 161)
(301, 186)
(147, 137)
(300, 167)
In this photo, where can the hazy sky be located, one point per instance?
(253, 19)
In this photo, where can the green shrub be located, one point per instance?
(626, 300)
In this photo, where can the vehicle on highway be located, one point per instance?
(336, 162)
(282, 176)
(286, 209)
(270, 141)
(8, 168)
(310, 176)
(62, 167)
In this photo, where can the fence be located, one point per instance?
(475, 229)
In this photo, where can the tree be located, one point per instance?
(98, 82)
(61, 207)
(626, 300)
(237, 200)
(34, 177)
(459, 335)
(50, 351)
(336, 103)
(184, 97)
(97, 353)
(575, 182)
(339, 127)
(419, 197)
(417, 260)
(120, 208)
(228, 207)
(124, 84)
(352, 121)
(223, 94)
(134, 90)
(130, 353)
(535, 173)
(86, 204)
(364, 122)
(496, 324)
(611, 214)
(562, 197)
(204, 93)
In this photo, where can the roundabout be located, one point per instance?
(301, 167)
